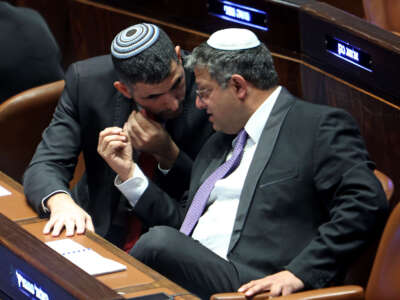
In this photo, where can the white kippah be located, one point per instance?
(133, 40)
(233, 39)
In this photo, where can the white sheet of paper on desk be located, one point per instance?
(85, 258)
(4, 192)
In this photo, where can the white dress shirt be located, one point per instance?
(215, 226)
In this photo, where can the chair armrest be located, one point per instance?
(347, 292)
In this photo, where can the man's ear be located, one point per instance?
(178, 51)
(239, 85)
(123, 89)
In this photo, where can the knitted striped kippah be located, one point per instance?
(133, 40)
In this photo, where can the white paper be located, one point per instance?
(85, 258)
(4, 192)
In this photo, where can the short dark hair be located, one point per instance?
(150, 66)
(255, 64)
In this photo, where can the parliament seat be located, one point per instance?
(382, 282)
(387, 184)
(23, 118)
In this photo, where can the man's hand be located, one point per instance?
(282, 283)
(151, 137)
(64, 212)
(115, 148)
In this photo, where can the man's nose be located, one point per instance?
(200, 104)
(171, 102)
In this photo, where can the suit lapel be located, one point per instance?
(218, 159)
(122, 109)
(260, 160)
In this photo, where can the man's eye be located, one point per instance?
(176, 84)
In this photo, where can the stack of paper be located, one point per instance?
(85, 258)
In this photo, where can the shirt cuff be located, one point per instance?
(134, 187)
(44, 200)
(163, 171)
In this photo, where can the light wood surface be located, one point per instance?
(14, 206)
(117, 280)
(137, 280)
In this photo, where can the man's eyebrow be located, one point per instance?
(152, 96)
(174, 86)
(177, 82)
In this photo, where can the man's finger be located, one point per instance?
(80, 225)
(69, 227)
(135, 128)
(48, 226)
(112, 142)
(58, 226)
(253, 290)
(108, 131)
(276, 289)
(104, 136)
(89, 223)
(287, 290)
(246, 286)
(144, 121)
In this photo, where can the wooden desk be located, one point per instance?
(137, 280)
(15, 206)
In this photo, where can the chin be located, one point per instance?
(226, 130)
(217, 128)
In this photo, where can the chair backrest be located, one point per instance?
(383, 282)
(387, 184)
(23, 118)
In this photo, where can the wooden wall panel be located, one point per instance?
(289, 73)
(354, 7)
(95, 25)
(86, 28)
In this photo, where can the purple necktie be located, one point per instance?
(203, 193)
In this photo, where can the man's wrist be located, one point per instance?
(55, 200)
(45, 207)
(127, 175)
(167, 160)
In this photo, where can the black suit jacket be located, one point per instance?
(309, 202)
(29, 53)
(89, 104)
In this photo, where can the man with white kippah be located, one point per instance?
(142, 90)
(282, 196)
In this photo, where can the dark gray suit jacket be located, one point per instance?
(29, 54)
(89, 104)
(310, 200)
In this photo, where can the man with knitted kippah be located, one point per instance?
(143, 88)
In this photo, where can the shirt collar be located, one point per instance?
(259, 118)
